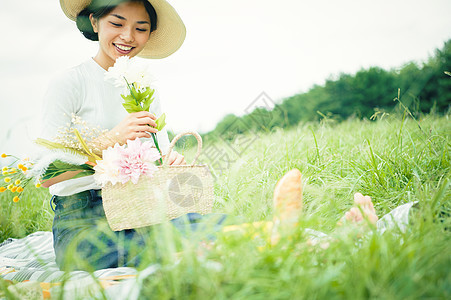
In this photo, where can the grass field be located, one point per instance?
(395, 160)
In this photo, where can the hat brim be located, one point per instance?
(164, 41)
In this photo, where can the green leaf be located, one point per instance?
(146, 104)
(58, 167)
(128, 98)
(149, 99)
(138, 101)
(84, 173)
(161, 122)
(131, 108)
(134, 93)
(148, 93)
(131, 103)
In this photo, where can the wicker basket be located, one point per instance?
(172, 192)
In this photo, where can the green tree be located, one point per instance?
(437, 90)
(422, 88)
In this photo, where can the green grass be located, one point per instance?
(394, 160)
(32, 213)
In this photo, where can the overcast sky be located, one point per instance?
(234, 51)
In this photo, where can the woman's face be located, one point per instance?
(124, 31)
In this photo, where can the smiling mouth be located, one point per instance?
(123, 49)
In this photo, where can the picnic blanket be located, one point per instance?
(31, 260)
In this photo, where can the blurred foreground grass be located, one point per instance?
(394, 160)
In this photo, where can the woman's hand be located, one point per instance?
(175, 159)
(134, 125)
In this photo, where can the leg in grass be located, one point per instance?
(360, 218)
(355, 222)
(287, 203)
(288, 198)
(288, 208)
(362, 214)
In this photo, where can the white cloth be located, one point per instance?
(83, 91)
(397, 218)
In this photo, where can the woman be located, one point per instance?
(150, 29)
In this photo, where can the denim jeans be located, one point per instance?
(83, 240)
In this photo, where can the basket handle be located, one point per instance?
(177, 137)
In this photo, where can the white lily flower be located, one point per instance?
(130, 70)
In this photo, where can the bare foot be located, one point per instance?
(362, 213)
(288, 197)
(287, 202)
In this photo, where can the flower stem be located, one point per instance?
(155, 141)
(131, 92)
(154, 136)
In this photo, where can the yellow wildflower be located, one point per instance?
(17, 182)
(10, 186)
(24, 169)
(20, 166)
(7, 179)
(19, 189)
(4, 155)
(38, 185)
(5, 172)
(14, 189)
(5, 169)
(16, 199)
(2, 189)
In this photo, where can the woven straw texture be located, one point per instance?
(172, 192)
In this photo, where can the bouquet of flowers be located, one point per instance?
(175, 191)
(72, 152)
(72, 149)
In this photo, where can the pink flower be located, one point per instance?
(137, 159)
(107, 169)
(125, 163)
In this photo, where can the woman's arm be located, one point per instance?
(61, 100)
(175, 159)
(65, 176)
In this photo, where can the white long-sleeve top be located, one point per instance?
(83, 91)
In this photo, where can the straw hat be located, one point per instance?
(165, 40)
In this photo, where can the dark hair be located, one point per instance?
(101, 8)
